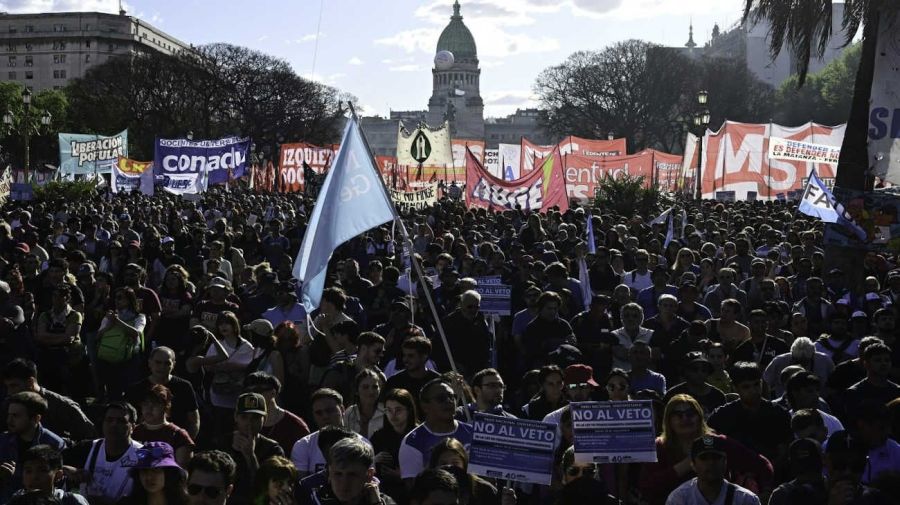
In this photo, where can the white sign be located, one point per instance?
(884, 109)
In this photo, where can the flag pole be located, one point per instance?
(419, 272)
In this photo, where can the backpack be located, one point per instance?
(114, 346)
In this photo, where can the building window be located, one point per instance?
(11, 48)
(29, 47)
(87, 58)
(111, 47)
(12, 76)
(87, 43)
(29, 61)
(87, 27)
(29, 28)
(59, 28)
(59, 74)
(12, 61)
(29, 75)
(12, 29)
(59, 45)
(59, 59)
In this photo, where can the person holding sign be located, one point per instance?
(683, 423)
(709, 461)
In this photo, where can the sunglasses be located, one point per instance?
(579, 471)
(211, 492)
(578, 385)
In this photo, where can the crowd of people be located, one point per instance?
(154, 351)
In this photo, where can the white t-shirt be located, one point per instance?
(689, 494)
(640, 281)
(111, 480)
(243, 356)
(306, 455)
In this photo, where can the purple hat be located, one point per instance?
(155, 455)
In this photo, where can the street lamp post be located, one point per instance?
(701, 121)
(26, 127)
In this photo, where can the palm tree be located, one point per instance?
(806, 26)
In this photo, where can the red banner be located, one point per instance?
(584, 174)
(736, 160)
(292, 158)
(540, 190)
(532, 153)
(667, 169)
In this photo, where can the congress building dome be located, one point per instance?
(457, 38)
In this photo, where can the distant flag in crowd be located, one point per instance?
(592, 246)
(351, 201)
(818, 201)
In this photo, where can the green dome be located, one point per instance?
(457, 38)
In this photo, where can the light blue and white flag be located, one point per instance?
(818, 201)
(352, 200)
(591, 244)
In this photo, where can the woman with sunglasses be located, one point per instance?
(450, 454)
(159, 479)
(683, 423)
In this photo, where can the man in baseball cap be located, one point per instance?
(248, 448)
(709, 462)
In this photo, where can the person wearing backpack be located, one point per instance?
(120, 341)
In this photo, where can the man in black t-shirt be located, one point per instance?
(185, 412)
(415, 352)
(248, 447)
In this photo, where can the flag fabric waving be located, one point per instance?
(818, 201)
(351, 201)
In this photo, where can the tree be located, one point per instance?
(44, 146)
(824, 98)
(645, 93)
(220, 90)
(806, 27)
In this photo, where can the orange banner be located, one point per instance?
(736, 162)
(587, 148)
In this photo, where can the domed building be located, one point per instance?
(456, 80)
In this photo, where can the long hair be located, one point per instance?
(273, 469)
(403, 397)
(174, 489)
(668, 438)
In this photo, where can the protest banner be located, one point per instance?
(877, 213)
(510, 161)
(492, 162)
(81, 154)
(786, 149)
(614, 432)
(425, 146)
(583, 174)
(415, 200)
(506, 448)
(531, 155)
(687, 183)
(292, 158)
(667, 168)
(130, 175)
(189, 166)
(496, 297)
(884, 103)
(540, 190)
(737, 158)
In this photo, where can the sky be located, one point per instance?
(382, 51)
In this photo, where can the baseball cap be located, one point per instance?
(23, 247)
(134, 243)
(398, 304)
(873, 297)
(579, 374)
(218, 282)
(167, 240)
(859, 315)
(707, 444)
(565, 355)
(260, 327)
(251, 403)
(697, 357)
(806, 454)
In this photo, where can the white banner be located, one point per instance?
(492, 162)
(786, 149)
(415, 200)
(129, 175)
(884, 108)
(510, 161)
(426, 146)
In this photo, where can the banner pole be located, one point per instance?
(413, 262)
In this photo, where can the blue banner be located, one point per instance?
(496, 297)
(81, 154)
(614, 432)
(512, 449)
(190, 165)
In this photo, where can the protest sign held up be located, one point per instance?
(614, 432)
(513, 449)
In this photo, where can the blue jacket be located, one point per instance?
(10, 450)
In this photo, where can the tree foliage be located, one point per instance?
(627, 196)
(220, 91)
(646, 94)
(44, 145)
(825, 97)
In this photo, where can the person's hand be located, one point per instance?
(242, 443)
(370, 491)
(7, 469)
(508, 496)
(284, 496)
(76, 475)
(384, 458)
